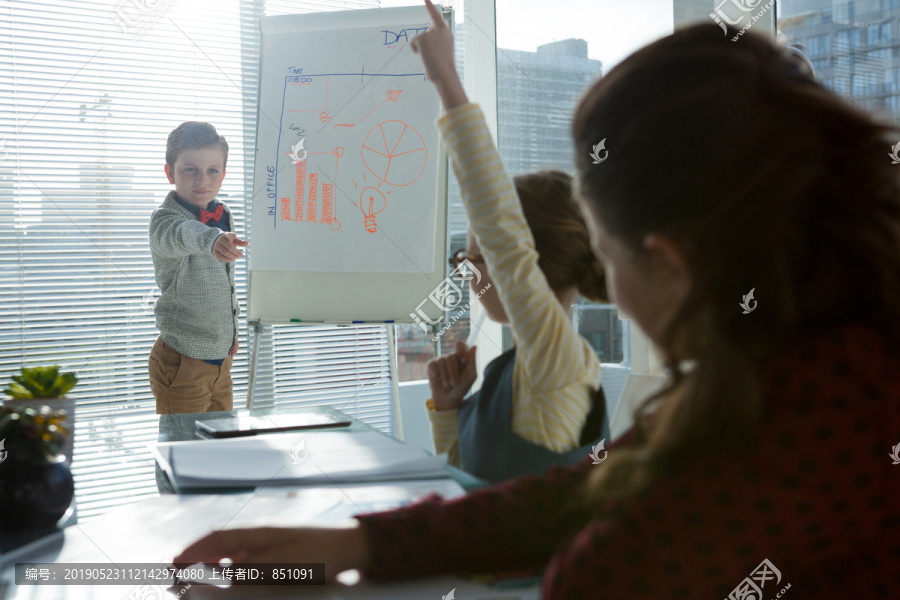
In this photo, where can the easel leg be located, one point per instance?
(251, 383)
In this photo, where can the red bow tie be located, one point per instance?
(215, 215)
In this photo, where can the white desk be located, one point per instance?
(155, 530)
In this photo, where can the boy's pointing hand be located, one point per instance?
(226, 247)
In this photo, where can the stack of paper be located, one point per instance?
(323, 457)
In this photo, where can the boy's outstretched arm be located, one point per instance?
(171, 236)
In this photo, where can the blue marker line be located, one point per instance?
(362, 74)
(277, 154)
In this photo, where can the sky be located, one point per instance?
(613, 28)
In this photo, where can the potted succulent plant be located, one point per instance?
(36, 486)
(45, 386)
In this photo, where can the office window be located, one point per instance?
(88, 94)
(543, 65)
(892, 104)
(845, 12)
(864, 84)
(819, 45)
(847, 39)
(872, 34)
(878, 33)
(844, 60)
(892, 84)
(538, 83)
(873, 73)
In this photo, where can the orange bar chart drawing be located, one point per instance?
(326, 203)
(306, 195)
(311, 206)
(301, 189)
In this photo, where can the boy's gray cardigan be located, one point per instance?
(197, 311)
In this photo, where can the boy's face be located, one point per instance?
(198, 174)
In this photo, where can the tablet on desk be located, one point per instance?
(247, 425)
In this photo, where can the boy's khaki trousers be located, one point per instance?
(188, 385)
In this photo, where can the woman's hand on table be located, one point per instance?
(341, 547)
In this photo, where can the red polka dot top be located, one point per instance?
(812, 511)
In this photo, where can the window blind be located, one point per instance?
(89, 91)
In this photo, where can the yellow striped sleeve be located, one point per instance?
(444, 425)
(555, 367)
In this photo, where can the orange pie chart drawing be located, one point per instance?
(395, 153)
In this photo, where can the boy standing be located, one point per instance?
(193, 247)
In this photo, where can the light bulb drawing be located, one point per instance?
(371, 202)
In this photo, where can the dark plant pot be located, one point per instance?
(34, 495)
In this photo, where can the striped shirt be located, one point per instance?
(556, 369)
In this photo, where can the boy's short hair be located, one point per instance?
(192, 135)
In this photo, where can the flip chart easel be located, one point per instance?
(349, 213)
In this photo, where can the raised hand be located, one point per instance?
(450, 377)
(435, 46)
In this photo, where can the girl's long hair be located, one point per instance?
(770, 182)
